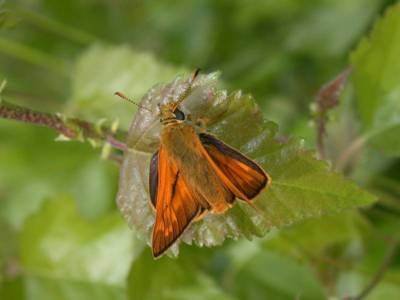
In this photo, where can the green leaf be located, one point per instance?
(8, 245)
(103, 70)
(94, 187)
(302, 186)
(35, 167)
(371, 258)
(376, 71)
(57, 243)
(385, 290)
(267, 275)
(167, 279)
(351, 283)
(332, 25)
(45, 288)
(8, 19)
(313, 236)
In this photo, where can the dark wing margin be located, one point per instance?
(245, 178)
(176, 205)
(153, 179)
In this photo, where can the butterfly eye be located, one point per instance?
(179, 115)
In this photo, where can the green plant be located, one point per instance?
(327, 227)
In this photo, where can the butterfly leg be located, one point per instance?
(201, 215)
(221, 207)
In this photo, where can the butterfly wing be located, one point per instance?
(153, 179)
(240, 174)
(176, 205)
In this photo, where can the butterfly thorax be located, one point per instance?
(185, 150)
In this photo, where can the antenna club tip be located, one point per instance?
(196, 73)
(122, 95)
(119, 94)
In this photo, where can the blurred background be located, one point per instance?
(61, 235)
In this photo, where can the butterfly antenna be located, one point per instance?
(195, 74)
(121, 95)
(189, 88)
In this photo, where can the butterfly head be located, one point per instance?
(169, 113)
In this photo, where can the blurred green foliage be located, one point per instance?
(61, 236)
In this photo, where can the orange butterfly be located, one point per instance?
(192, 174)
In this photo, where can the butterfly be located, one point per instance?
(193, 174)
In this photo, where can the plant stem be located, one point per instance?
(71, 128)
(387, 260)
(349, 152)
(326, 99)
(18, 113)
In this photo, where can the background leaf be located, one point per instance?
(376, 70)
(171, 279)
(68, 245)
(43, 287)
(103, 70)
(311, 237)
(256, 282)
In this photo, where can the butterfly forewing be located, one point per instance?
(240, 174)
(176, 205)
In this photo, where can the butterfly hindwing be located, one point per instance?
(240, 174)
(176, 205)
